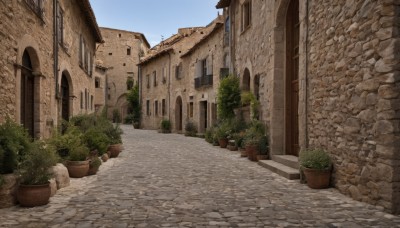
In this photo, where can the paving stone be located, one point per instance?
(168, 180)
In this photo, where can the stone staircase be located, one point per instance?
(284, 165)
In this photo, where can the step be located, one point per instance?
(288, 160)
(285, 171)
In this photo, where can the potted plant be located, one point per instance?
(77, 163)
(94, 165)
(263, 148)
(316, 165)
(97, 140)
(35, 173)
(165, 126)
(254, 137)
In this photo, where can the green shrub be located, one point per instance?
(248, 98)
(129, 119)
(113, 132)
(84, 122)
(315, 159)
(190, 129)
(133, 98)
(255, 135)
(116, 116)
(165, 126)
(95, 139)
(67, 142)
(209, 134)
(14, 142)
(95, 162)
(80, 153)
(36, 164)
(228, 97)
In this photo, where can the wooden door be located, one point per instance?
(65, 98)
(292, 78)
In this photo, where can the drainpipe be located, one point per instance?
(55, 50)
(306, 79)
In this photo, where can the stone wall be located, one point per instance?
(210, 47)
(120, 54)
(22, 29)
(353, 101)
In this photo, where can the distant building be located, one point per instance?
(120, 54)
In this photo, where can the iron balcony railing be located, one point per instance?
(205, 80)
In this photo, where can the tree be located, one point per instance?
(228, 97)
(134, 102)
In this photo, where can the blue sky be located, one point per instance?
(154, 18)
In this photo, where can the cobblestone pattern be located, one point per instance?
(167, 180)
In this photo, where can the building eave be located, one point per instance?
(217, 26)
(91, 18)
(154, 56)
(223, 3)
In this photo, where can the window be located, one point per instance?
(156, 108)
(191, 109)
(128, 51)
(119, 35)
(154, 78)
(60, 24)
(91, 102)
(86, 99)
(81, 100)
(246, 15)
(97, 82)
(164, 75)
(203, 67)
(85, 57)
(148, 107)
(36, 6)
(124, 64)
(129, 83)
(178, 71)
(148, 81)
(163, 107)
(110, 53)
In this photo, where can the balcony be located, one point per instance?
(203, 81)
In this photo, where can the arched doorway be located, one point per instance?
(65, 93)
(292, 78)
(178, 114)
(27, 94)
(246, 80)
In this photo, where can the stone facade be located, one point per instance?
(100, 82)
(120, 54)
(166, 79)
(347, 81)
(33, 91)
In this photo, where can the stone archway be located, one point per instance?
(178, 114)
(29, 92)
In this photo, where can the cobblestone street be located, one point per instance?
(169, 180)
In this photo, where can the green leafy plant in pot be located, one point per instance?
(35, 173)
(316, 165)
(165, 126)
(94, 165)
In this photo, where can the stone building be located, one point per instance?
(100, 82)
(164, 80)
(120, 54)
(203, 63)
(327, 74)
(46, 77)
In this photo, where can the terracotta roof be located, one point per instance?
(91, 18)
(153, 56)
(136, 33)
(217, 26)
(222, 4)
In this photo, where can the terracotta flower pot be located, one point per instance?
(78, 169)
(33, 195)
(223, 143)
(252, 152)
(317, 179)
(115, 149)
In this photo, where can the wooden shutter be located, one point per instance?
(81, 51)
